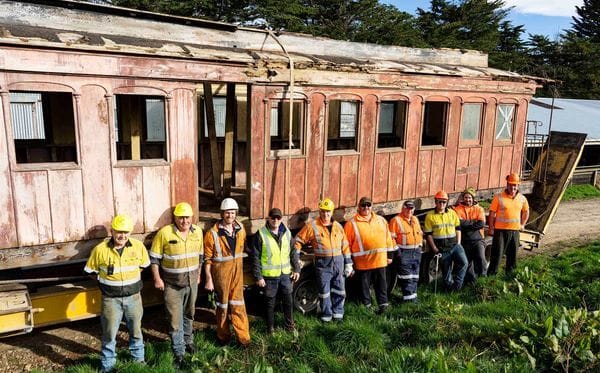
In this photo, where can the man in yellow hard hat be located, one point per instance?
(509, 213)
(118, 261)
(443, 235)
(176, 255)
(328, 242)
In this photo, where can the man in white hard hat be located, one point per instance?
(178, 250)
(118, 261)
(224, 248)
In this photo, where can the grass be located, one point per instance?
(584, 191)
(539, 318)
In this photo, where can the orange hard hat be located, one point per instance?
(441, 195)
(513, 178)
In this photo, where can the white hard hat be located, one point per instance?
(229, 204)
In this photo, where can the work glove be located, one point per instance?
(348, 270)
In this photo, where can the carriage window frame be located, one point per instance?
(396, 138)
(500, 116)
(337, 118)
(278, 127)
(477, 141)
(429, 117)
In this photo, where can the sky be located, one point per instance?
(546, 17)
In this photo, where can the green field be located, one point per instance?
(545, 318)
(584, 191)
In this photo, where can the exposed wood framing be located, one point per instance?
(230, 119)
(212, 137)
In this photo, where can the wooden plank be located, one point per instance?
(462, 164)
(413, 143)
(424, 173)
(507, 161)
(314, 150)
(495, 169)
(396, 176)
(156, 197)
(452, 144)
(32, 202)
(230, 119)
(331, 179)
(128, 187)
(474, 169)
(487, 145)
(349, 180)
(215, 160)
(256, 136)
(274, 184)
(94, 138)
(8, 228)
(380, 177)
(67, 213)
(295, 190)
(368, 142)
(438, 164)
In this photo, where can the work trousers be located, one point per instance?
(475, 251)
(113, 311)
(228, 279)
(377, 278)
(504, 242)
(454, 267)
(408, 272)
(281, 285)
(332, 287)
(180, 303)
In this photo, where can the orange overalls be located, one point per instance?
(228, 278)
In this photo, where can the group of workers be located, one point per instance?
(363, 248)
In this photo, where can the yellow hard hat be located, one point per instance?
(513, 178)
(122, 223)
(183, 209)
(470, 191)
(326, 205)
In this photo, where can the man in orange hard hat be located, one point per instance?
(224, 247)
(329, 244)
(442, 231)
(472, 221)
(118, 261)
(372, 247)
(509, 213)
(176, 252)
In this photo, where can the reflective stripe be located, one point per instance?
(445, 236)
(402, 230)
(181, 270)
(326, 318)
(338, 315)
(228, 258)
(373, 251)
(275, 260)
(408, 277)
(408, 297)
(335, 252)
(236, 302)
(155, 255)
(326, 295)
(357, 234)
(181, 256)
(275, 266)
(222, 305)
(410, 247)
(118, 283)
(339, 292)
(217, 244)
(321, 249)
(119, 269)
(443, 225)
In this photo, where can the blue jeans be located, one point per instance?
(332, 286)
(454, 261)
(113, 311)
(181, 307)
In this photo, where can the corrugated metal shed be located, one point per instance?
(570, 115)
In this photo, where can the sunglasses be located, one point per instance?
(366, 204)
(441, 201)
(275, 217)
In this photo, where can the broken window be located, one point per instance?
(470, 127)
(504, 121)
(140, 127)
(392, 123)
(220, 108)
(435, 120)
(43, 126)
(343, 125)
(280, 125)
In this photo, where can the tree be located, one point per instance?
(587, 24)
(234, 11)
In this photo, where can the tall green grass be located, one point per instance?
(584, 191)
(543, 317)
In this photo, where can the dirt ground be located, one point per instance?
(51, 349)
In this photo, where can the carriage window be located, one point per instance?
(43, 126)
(504, 121)
(343, 125)
(220, 108)
(392, 122)
(140, 127)
(435, 120)
(280, 125)
(470, 127)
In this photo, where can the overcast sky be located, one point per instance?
(547, 17)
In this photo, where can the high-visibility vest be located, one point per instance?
(370, 241)
(408, 234)
(474, 212)
(178, 255)
(217, 250)
(275, 259)
(324, 243)
(508, 210)
(441, 225)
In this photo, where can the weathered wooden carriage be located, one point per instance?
(104, 111)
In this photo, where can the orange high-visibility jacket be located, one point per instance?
(406, 232)
(370, 241)
(323, 242)
(508, 210)
(474, 212)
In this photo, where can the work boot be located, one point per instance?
(190, 348)
(178, 362)
(270, 330)
(382, 309)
